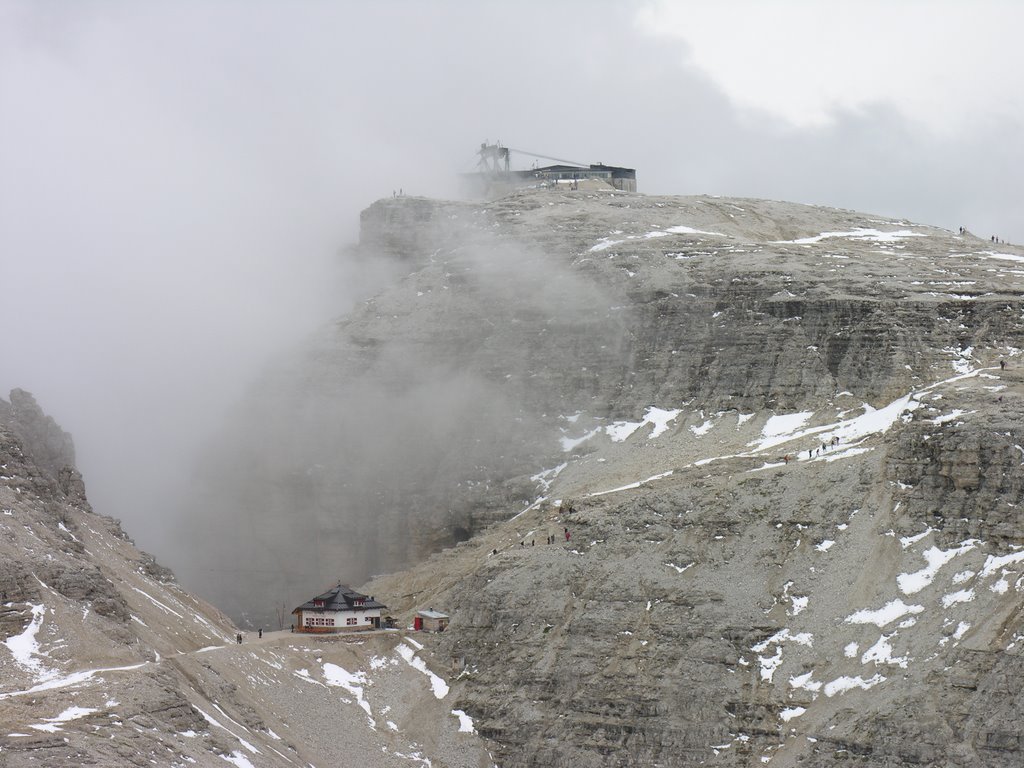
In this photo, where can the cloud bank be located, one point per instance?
(177, 179)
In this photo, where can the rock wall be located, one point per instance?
(423, 415)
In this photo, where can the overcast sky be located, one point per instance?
(176, 178)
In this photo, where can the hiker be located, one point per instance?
(810, 454)
(238, 638)
(1002, 365)
(566, 534)
(822, 447)
(261, 633)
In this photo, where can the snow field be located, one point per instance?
(606, 242)
(860, 233)
(778, 430)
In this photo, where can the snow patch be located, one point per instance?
(631, 486)
(659, 418)
(907, 541)
(702, 429)
(439, 686)
(786, 424)
(881, 653)
(158, 603)
(911, 583)
(806, 682)
(887, 614)
(52, 724)
(570, 443)
(465, 721)
(860, 233)
(351, 682)
(995, 563)
(799, 605)
(963, 596)
(845, 683)
(24, 647)
(237, 758)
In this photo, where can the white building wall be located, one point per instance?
(341, 618)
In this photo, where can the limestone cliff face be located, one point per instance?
(738, 587)
(425, 415)
(864, 603)
(49, 449)
(37, 460)
(714, 482)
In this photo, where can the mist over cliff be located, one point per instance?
(512, 329)
(697, 480)
(176, 179)
(395, 429)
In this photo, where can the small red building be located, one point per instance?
(430, 621)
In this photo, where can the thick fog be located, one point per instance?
(178, 180)
(407, 427)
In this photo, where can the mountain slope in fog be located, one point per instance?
(794, 535)
(714, 481)
(106, 660)
(523, 324)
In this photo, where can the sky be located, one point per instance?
(178, 180)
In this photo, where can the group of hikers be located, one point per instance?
(238, 637)
(812, 452)
(994, 239)
(824, 447)
(551, 539)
